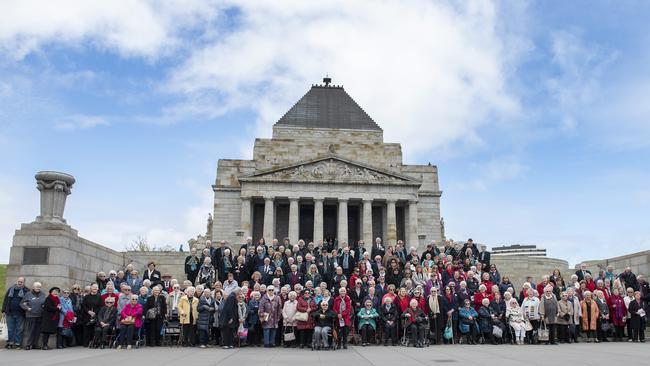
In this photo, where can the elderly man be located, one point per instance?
(629, 279)
(582, 272)
(14, 313)
(377, 249)
(346, 261)
(32, 304)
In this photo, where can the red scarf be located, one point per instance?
(57, 302)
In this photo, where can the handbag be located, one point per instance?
(242, 333)
(4, 331)
(542, 333)
(151, 314)
(605, 326)
(301, 316)
(289, 334)
(497, 331)
(67, 332)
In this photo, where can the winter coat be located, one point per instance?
(272, 307)
(13, 298)
(308, 306)
(635, 319)
(326, 321)
(485, 319)
(346, 311)
(253, 317)
(448, 305)
(205, 309)
(156, 302)
(288, 312)
(564, 308)
(369, 317)
(185, 309)
(548, 309)
(66, 306)
(464, 314)
(589, 323)
(617, 310)
(134, 311)
(51, 315)
(229, 315)
(90, 303)
(389, 313)
(33, 303)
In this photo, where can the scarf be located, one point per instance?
(56, 301)
(434, 305)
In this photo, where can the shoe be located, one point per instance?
(27, 348)
(129, 347)
(202, 346)
(9, 346)
(385, 343)
(345, 346)
(119, 346)
(45, 348)
(554, 343)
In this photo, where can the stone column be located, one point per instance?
(343, 221)
(54, 188)
(269, 214)
(391, 222)
(367, 224)
(318, 219)
(245, 220)
(412, 237)
(293, 220)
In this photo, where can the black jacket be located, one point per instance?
(229, 312)
(152, 304)
(155, 278)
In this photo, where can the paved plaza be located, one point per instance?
(576, 354)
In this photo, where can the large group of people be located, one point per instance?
(324, 295)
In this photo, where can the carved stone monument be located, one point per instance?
(55, 188)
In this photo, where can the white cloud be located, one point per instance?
(429, 73)
(81, 122)
(131, 27)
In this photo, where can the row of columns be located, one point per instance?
(342, 235)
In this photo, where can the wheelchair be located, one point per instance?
(172, 333)
(331, 341)
(405, 340)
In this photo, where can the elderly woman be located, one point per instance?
(516, 321)
(270, 312)
(548, 310)
(205, 309)
(636, 318)
(106, 320)
(207, 274)
(155, 309)
(565, 315)
(590, 315)
(367, 322)
(288, 313)
(242, 312)
(389, 317)
(450, 303)
(603, 315)
(188, 314)
(617, 311)
(467, 319)
(415, 321)
(323, 322)
(64, 334)
(306, 305)
(253, 320)
(50, 316)
(485, 321)
(90, 306)
(480, 295)
(229, 319)
(343, 309)
(530, 310)
(131, 320)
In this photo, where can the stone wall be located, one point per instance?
(227, 216)
(166, 262)
(71, 259)
(639, 263)
(518, 267)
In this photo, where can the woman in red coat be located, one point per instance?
(343, 308)
(617, 312)
(306, 304)
(480, 295)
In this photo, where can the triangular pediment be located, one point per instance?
(330, 169)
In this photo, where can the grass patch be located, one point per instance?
(3, 275)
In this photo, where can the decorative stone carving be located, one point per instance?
(330, 170)
(54, 188)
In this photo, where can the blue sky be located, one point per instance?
(536, 112)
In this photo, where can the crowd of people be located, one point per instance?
(325, 295)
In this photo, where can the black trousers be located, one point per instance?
(390, 332)
(343, 335)
(153, 327)
(416, 332)
(563, 333)
(367, 333)
(228, 336)
(551, 332)
(101, 334)
(304, 336)
(189, 334)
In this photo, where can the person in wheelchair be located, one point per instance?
(323, 321)
(389, 318)
(415, 322)
(467, 322)
(105, 325)
(367, 322)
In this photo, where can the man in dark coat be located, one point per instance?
(152, 274)
(346, 261)
(484, 257)
(582, 272)
(294, 277)
(377, 249)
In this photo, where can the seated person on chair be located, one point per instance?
(389, 318)
(367, 322)
(415, 322)
(323, 320)
(105, 324)
(467, 326)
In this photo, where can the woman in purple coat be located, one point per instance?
(270, 311)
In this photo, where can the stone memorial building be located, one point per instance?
(326, 172)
